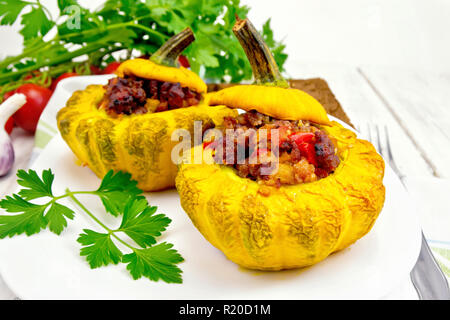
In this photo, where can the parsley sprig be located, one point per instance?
(78, 38)
(120, 196)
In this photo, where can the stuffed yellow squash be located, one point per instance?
(303, 187)
(127, 124)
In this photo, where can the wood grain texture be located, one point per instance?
(420, 101)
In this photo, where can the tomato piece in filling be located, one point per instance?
(304, 153)
(305, 142)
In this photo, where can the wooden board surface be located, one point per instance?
(420, 102)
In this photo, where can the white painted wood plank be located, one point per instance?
(421, 103)
(364, 107)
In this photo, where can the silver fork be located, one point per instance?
(426, 276)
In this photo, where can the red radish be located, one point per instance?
(95, 70)
(37, 97)
(184, 62)
(111, 68)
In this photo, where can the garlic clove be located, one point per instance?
(7, 109)
(6, 153)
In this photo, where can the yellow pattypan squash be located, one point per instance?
(296, 225)
(140, 144)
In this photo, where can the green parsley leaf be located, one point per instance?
(115, 191)
(30, 221)
(157, 262)
(131, 8)
(35, 23)
(62, 4)
(140, 223)
(204, 53)
(98, 249)
(56, 217)
(120, 24)
(35, 186)
(120, 194)
(124, 36)
(10, 10)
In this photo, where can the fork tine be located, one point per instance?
(391, 156)
(380, 149)
(388, 145)
(387, 151)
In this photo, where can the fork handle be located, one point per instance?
(427, 277)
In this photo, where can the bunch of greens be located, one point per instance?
(54, 45)
(120, 196)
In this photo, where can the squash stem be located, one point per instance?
(264, 66)
(169, 51)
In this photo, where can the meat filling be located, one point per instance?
(304, 153)
(133, 95)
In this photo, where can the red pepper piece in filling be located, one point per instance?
(303, 137)
(305, 142)
(308, 150)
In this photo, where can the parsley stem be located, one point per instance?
(161, 37)
(62, 58)
(44, 46)
(90, 214)
(45, 9)
(121, 241)
(7, 61)
(71, 195)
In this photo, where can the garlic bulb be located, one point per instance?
(7, 109)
